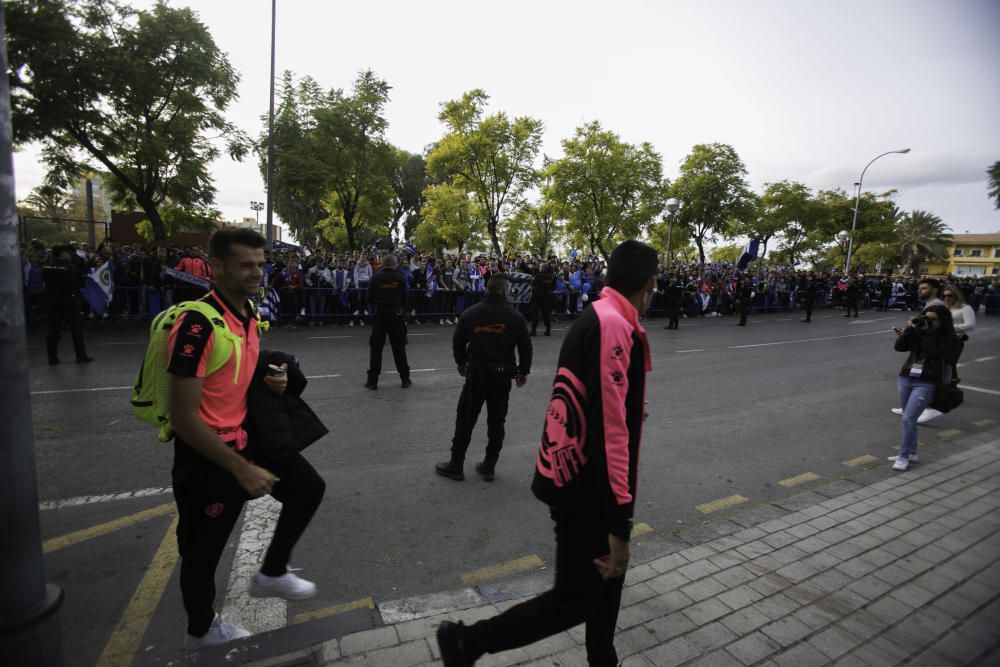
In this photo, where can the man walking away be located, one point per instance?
(62, 303)
(483, 345)
(586, 473)
(387, 295)
(808, 288)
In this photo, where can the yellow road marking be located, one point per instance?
(363, 603)
(984, 422)
(860, 461)
(641, 529)
(799, 479)
(950, 433)
(70, 539)
(720, 504)
(492, 572)
(124, 642)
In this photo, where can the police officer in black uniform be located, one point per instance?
(807, 294)
(853, 294)
(62, 303)
(387, 296)
(744, 294)
(483, 345)
(542, 287)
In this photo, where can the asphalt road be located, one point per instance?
(733, 413)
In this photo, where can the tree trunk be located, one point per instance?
(159, 229)
(701, 248)
(492, 226)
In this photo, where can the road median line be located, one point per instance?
(491, 572)
(721, 504)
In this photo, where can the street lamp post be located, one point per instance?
(270, 138)
(857, 205)
(257, 207)
(672, 207)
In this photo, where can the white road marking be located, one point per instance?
(422, 606)
(881, 319)
(73, 391)
(324, 377)
(328, 337)
(685, 351)
(985, 359)
(809, 340)
(422, 334)
(128, 342)
(103, 498)
(255, 614)
(962, 385)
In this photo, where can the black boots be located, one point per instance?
(372, 382)
(406, 383)
(486, 470)
(452, 470)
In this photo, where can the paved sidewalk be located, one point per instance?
(906, 570)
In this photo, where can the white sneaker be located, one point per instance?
(897, 411)
(287, 586)
(220, 632)
(900, 464)
(928, 414)
(441, 322)
(914, 458)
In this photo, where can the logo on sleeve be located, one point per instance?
(195, 330)
(617, 377)
(187, 351)
(214, 510)
(617, 351)
(562, 453)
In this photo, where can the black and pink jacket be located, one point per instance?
(589, 455)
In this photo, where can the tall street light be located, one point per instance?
(857, 205)
(270, 139)
(257, 207)
(672, 207)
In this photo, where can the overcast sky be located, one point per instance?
(806, 90)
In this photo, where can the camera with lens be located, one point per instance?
(920, 321)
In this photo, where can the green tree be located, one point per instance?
(140, 92)
(726, 253)
(490, 156)
(47, 201)
(876, 220)
(781, 204)
(921, 236)
(451, 219)
(409, 178)
(538, 229)
(993, 180)
(606, 189)
(713, 192)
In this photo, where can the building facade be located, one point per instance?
(969, 255)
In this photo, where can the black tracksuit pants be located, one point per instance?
(580, 595)
(481, 386)
(209, 501)
(59, 310)
(807, 306)
(544, 305)
(392, 325)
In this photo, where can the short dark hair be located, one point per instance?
(933, 282)
(630, 266)
(498, 284)
(222, 241)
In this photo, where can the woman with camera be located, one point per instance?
(931, 342)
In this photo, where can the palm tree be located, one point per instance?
(921, 235)
(993, 180)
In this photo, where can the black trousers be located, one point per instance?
(743, 315)
(61, 310)
(673, 317)
(209, 501)
(852, 305)
(580, 595)
(807, 305)
(545, 306)
(481, 387)
(391, 325)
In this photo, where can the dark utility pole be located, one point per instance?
(29, 618)
(91, 232)
(270, 138)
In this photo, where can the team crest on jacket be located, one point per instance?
(561, 455)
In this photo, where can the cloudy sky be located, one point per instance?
(806, 90)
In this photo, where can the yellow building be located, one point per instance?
(969, 255)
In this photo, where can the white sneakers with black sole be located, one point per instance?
(287, 586)
(220, 632)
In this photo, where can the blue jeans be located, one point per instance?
(914, 396)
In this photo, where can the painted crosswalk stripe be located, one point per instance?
(983, 390)
(102, 498)
(799, 479)
(720, 504)
(363, 603)
(90, 533)
(254, 614)
(127, 635)
(860, 461)
(985, 359)
(492, 572)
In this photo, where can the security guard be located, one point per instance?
(483, 345)
(387, 295)
(62, 302)
(542, 287)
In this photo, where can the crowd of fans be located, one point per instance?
(323, 288)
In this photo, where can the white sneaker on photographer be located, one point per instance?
(928, 414)
(220, 632)
(913, 458)
(287, 586)
(897, 411)
(901, 463)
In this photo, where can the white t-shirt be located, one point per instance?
(964, 318)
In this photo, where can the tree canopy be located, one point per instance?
(142, 93)
(993, 181)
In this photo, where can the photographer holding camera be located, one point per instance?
(931, 341)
